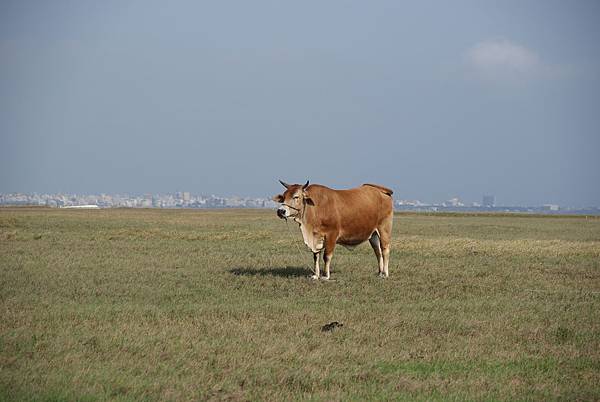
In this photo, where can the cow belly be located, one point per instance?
(354, 239)
(350, 244)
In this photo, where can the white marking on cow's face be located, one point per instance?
(295, 200)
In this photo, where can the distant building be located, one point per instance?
(413, 203)
(488, 201)
(454, 202)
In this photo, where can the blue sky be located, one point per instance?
(434, 99)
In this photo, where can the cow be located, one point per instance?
(348, 217)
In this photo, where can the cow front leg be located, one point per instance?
(328, 255)
(316, 272)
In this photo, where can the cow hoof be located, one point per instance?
(314, 277)
(382, 275)
(325, 278)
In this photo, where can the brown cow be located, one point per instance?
(349, 217)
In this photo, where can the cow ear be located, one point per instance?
(307, 199)
(278, 198)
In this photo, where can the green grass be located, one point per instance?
(187, 305)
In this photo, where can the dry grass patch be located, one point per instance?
(461, 247)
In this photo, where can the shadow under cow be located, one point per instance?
(286, 272)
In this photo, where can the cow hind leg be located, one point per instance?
(385, 234)
(375, 242)
(385, 250)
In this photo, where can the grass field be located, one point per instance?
(188, 304)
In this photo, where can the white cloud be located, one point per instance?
(501, 58)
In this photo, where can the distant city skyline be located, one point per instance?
(452, 196)
(435, 100)
(185, 199)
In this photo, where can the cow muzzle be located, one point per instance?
(281, 213)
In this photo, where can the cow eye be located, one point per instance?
(296, 197)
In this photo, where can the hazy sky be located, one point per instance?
(433, 99)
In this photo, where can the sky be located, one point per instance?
(434, 99)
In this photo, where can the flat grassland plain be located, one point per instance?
(206, 304)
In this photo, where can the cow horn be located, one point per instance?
(304, 186)
(284, 184)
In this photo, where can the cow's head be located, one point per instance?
(293, 200)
